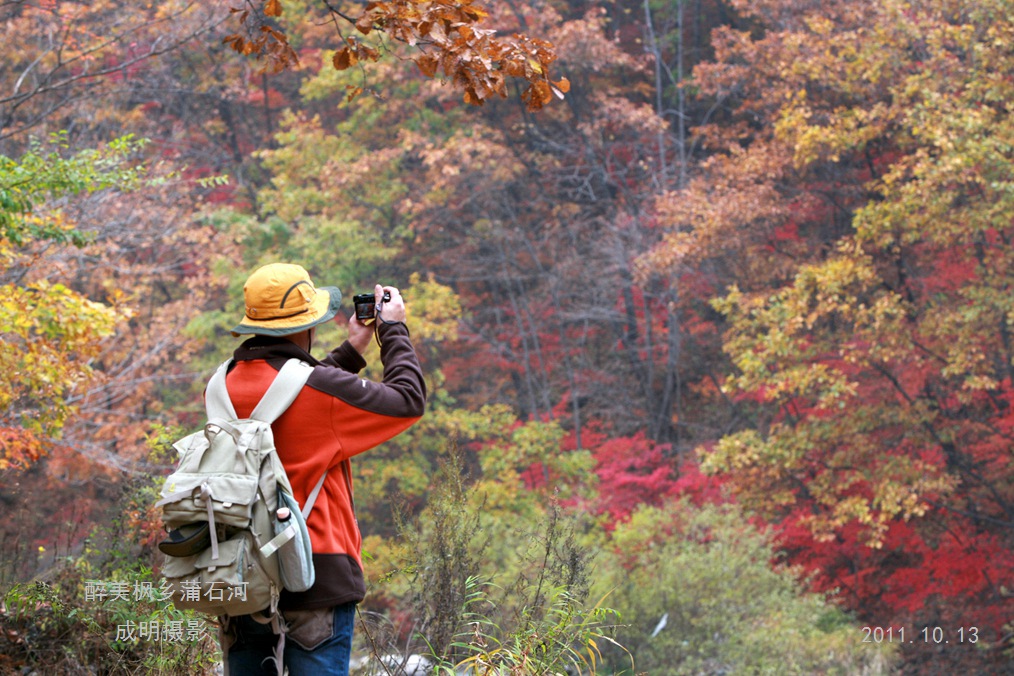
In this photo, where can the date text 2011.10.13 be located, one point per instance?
(931, 635)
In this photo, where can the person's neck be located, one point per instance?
(303, 339)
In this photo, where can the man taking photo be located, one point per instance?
(336, 416)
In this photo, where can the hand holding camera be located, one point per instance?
(366, 304)
(385, 305)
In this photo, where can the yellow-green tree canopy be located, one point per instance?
(48, 332)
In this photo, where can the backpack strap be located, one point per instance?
(312, 497)
(283, 391)
(216, 396)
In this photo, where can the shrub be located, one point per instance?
(698, 594)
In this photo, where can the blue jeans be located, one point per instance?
(316, 643)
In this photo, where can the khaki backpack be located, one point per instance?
(237, 537)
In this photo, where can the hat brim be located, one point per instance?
(325, 306)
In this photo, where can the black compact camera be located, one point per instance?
(366, 304)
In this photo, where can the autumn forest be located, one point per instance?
(714, 300)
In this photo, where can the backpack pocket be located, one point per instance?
(233, 584)
(292, 546)
(225, 499)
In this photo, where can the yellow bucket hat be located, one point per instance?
(281, 299)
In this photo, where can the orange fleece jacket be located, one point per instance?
(337, 415)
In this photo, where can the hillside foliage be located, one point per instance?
(713, 298)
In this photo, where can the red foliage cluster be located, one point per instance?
(632, 471)
(954, 576)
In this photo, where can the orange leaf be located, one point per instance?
(500, 85)
(513, 68)
(273, 8)
(471, 98)
(279, 36)
(365, 23)
(342, 59)
(563, 85)
(545, 94)
(427, 65)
